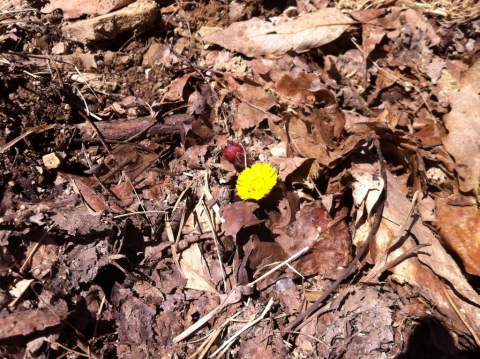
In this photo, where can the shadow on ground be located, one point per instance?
(432, 340)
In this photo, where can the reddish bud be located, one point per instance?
(235, 154)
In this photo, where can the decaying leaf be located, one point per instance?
(257, 37)
(238, 215)
(367, 188)
(29, 321)
(306, 140)
(459, 227)
(330, 247)
(132, 316)
(195, 269)
(435, 257)
(95, 200)
(253, 108)
(295, 90)
(175, 92)
(463, 125)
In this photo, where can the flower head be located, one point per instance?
(257, 181)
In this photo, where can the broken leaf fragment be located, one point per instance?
(257, 181)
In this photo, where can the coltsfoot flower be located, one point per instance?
(257, 181)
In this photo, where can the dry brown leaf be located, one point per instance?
(195, 269)
(254, 106)
(286, 165)
(459, 227)
(430, 265)
(238, 215)
(367, 188)
(257, 37)
(175, 92)
(29, 321)
(434, 256)
(133, 317)
(463, 125)
(297, 90)
(125, 193)
(95, 200)
(306, 140)
(330, 247)
(43, 257)
(418, 275)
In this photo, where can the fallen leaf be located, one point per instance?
(195, 269)
(133, 316)
(238, 215)
(306, 140)
(459, 228)
(434, 256)
(258, 37)
(43, 257)
(463, 125)
(204, 96)
(297, 90)
(330, 247)
(29, 321)
(254, 106)
(367, 188)
(262, 255)
(95, 200)
(175, 90)
(78, 221)
(287, 166)
(124, 192)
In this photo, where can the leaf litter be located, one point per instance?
(121, 228)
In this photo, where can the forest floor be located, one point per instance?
(240, 179)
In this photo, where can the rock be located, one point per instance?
(106, 27)
(59, 49)
(109, 56)
(236, 11)
(78, 8)
(52, 160)
(82, 61)
(154, 53)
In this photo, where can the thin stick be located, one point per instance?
(22, 268)
(220, 351)
(295, 256)
(205, 346)
(393, 242)
(71, 350)
(133, 213)
(203, 320)
(217, 245)
(55, 314)
(95, 129)
(460, 315)
(97, 318)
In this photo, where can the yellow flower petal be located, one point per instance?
(257, 181)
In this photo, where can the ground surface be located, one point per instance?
(124, 233)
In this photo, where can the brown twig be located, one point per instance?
(460, 315)
(99, 134)
(360, 253)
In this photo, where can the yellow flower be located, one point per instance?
(257, 181)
